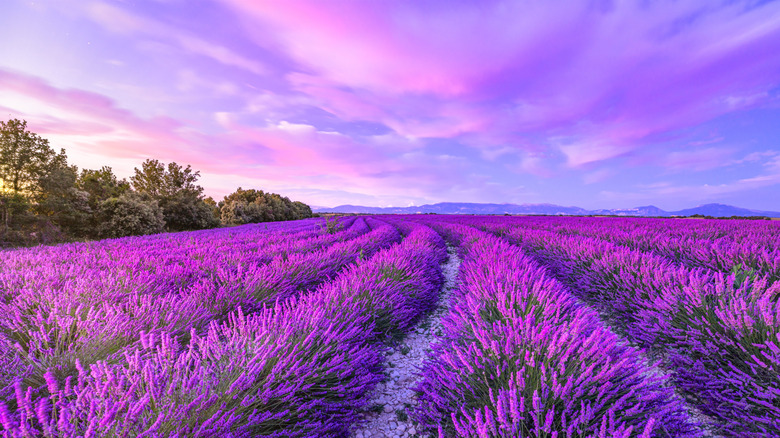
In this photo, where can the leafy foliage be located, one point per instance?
(175, 190)
(24, 157)
(332, 225)
(43, 199)
(253, 206)
(33, 179)
(100, 185)
(129, 215)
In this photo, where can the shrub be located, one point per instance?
(129, 215)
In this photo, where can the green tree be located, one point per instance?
(154, 180)
(244, 207)
(185, 212)
(176, 191)
(14, 211)
(149, 180)
(302, 210)
(100, 185)
(24, 157)
(212, 204)
(60, 201)
(253, 206)
(129, 215)
(39, 197)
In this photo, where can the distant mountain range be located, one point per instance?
(717, 210)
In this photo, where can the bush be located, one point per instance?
(182, 212)
(129, 215)
(253, 206)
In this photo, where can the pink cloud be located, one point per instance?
(606, 75)
(413, 116)
(286, 155)
(76, 112)
(534, 165)
(429, 100)
(331, 160)
(95, 131)
(597, 176)
(713, 191)
(347, 104)
(579, 153)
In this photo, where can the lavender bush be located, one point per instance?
(302, 367)
(719, 332)
(280, 329)
(521, 357)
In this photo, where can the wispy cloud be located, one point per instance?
(288, 155)
(411, 101)
(116, 19)
(607, 76)
(682, 193)
(699, 159)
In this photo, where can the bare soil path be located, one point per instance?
(389, 417)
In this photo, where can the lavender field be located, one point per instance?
(555, 327)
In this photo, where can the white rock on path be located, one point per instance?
(395, 396)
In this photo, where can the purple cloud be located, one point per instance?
(415, 101)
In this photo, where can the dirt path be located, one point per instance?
(388, 417)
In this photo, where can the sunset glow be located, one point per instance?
(599, 104)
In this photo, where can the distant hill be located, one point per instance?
(717, 210)
(724, 210)
(648, 210)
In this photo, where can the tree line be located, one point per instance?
(43, 199)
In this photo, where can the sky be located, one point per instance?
(598, 104)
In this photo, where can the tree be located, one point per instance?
(129, 215)
(100, 185)
(212, 204)
(252, 206)
(149, 180)
(153, 180)
(60, 201)
(42, 196)
(36, 179)
(24, 157)
(302, 210)
(244, 207)
(13, 207)
(184, 212)
(177, 193)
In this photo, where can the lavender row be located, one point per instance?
(723, 246)
(100, 270)
(737, 231)
(720, 333)
(285, 277)
(297, 369)
(272, 232)
(520, 356)
(54, 338)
